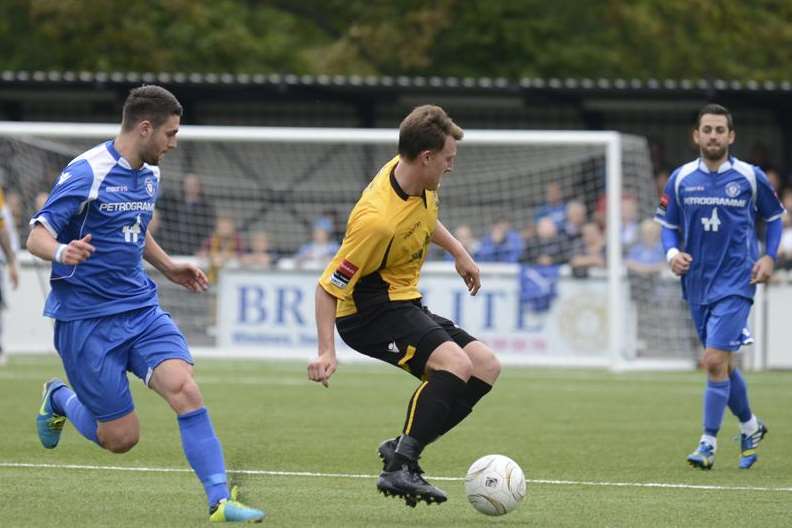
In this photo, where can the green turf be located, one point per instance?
(559, 425)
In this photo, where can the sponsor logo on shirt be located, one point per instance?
(117, 188)
(343, 274)
(714, 200)
(63, 177)
(392, 348)
(120, 207)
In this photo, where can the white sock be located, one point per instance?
(711, 440)
(748, 428)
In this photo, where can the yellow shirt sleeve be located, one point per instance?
(361, 253)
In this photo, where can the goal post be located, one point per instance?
(290, 181)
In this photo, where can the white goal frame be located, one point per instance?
(621, 349)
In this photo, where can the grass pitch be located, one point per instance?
(597, 448)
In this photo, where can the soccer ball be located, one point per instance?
(495, 484)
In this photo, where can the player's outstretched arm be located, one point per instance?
(321, 368)
(465, 265)
(182, 273)
(41, 243)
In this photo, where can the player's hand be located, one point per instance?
(188, 275)
(77, 251)
(762, 269)
(321, 368)
(680, 264)
(469, 272)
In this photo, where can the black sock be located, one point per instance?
(431, 404)
(475, 389)
(407, 450)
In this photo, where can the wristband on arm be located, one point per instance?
(58, 256)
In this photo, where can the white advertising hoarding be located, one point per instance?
(272, 313)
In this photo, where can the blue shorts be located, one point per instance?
(723, 325)
(98, 352)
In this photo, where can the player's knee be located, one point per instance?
(120, 442)
(715, 366)
(450, 357)
(186, 396)
(191, 392)
(491, 367)
(459, 364)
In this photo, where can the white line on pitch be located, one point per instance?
(360, 476)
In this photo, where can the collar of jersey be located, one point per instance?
(725, 166)
(121, 160)
(397, 188)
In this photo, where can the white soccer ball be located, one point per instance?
(495, 484)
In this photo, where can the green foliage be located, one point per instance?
(510, 38)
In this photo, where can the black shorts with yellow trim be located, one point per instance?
(402, 333)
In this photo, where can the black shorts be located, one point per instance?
(403, 333)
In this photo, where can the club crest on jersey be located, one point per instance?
(63, 177)
(150, 186)
(343, 274)
(732, 189)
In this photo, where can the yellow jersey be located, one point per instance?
(386, 241)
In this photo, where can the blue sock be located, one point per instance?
(66, 403)
(715, 399)
(204, 453)
(738, 397)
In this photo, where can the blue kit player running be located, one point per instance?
(708, 212)
(107, 315)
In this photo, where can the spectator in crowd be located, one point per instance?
(258, 254)
(187, 219)
(223, 247)
(16, 208)
(630, 227)
(647, 256)
(661, 179)
(589, 251)
(501, 244)
(465, 235)
(774, 177)
(547, 248)
(321, 249)
(576, 216)
(554, 206)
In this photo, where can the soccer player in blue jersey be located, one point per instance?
(107, 316)
(708, 212)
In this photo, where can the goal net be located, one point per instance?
(558, 222)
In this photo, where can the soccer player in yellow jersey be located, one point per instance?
(370, 290)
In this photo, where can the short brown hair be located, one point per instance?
(426, 128)
(715, 109)
(149, 103)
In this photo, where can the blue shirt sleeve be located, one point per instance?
(667, 213)
(767, 203)
(68, 195)
(669, 238)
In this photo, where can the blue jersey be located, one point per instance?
(715, 214)
(100, 194)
